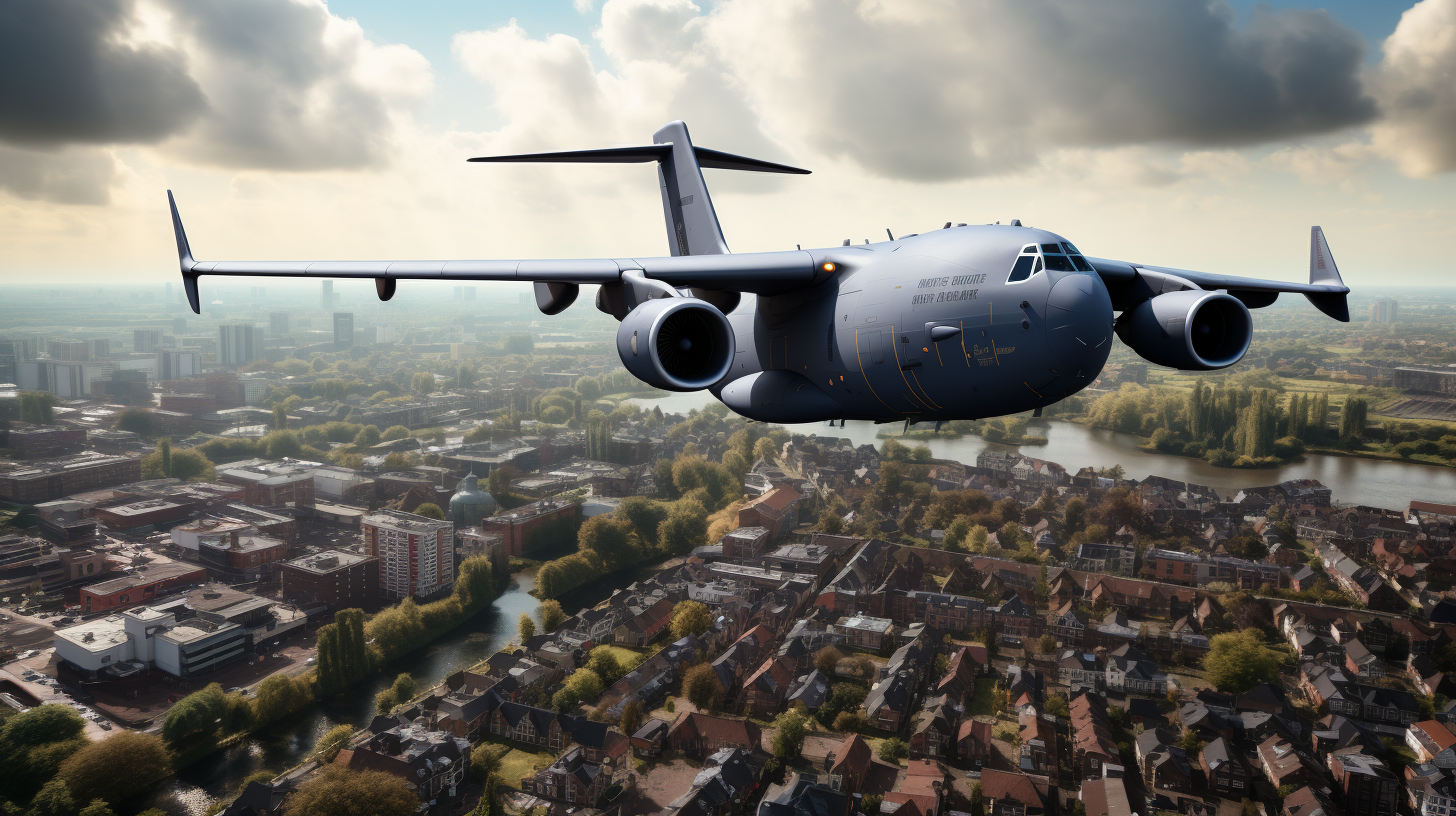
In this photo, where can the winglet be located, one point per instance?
(1324, 272)
(184, 257)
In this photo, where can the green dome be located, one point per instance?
(470, 504)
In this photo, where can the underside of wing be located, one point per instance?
(1132, 283)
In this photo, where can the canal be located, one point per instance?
(1375, 482)
(283, 746)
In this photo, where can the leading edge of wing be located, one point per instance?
(1112, 270)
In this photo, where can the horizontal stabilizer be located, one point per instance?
(707, 157)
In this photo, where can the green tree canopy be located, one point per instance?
(1238, 661)
(337, 791)
(118, 767)
(690, 618)
(790, 728)
(430, 510)
(700, 686)
(552, 615)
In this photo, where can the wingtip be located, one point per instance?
(184, 257)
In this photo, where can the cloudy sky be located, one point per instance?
(1206, 135)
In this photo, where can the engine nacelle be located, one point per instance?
(676, 343)
(1191, 330)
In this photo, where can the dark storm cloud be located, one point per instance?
(933, 90)
(66, 76)
(267, 84)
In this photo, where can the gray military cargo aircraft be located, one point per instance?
(963, 322)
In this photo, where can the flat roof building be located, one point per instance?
(416, 554)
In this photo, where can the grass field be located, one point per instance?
(626, 658)
(519, 763)
(982, 703)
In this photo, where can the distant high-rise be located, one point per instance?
(175, 364)
(238, 344)
(386, 334)
(179, 325)
(343, 328)
(278, 324)
(328, 295)
(145, 340)
(469, 292)
(99, 347)
(1383, 311)
(68, 350)
(65, 380)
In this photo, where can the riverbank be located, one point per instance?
(288, 744)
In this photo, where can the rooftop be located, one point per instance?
(96, 635)
(327, 561)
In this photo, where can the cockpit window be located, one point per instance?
(1050, 248)
(1022, 269)
(1081, 264)
(1029, 249)
(1069, 249)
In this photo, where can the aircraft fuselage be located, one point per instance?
(867, 337)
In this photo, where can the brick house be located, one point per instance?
(699, 735)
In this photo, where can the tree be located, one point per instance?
(552, 615)
(518, 344)
(978, 800)
(1047, 644)
(790, 728)
(585, 684)
(528, 627)
(54, 799)
(278, 696)
(893, 750)
(394, 433)
(280, 417)
(700, 686)
(826, 660)
(604, 662)
(1058, 706)
(136, 420)
(849, 721)
(328, 746)
(1238, 661)
(337, 791)
(164, 456)
(118, 767)
(631, 717)
(367, 436)
(40, 725)
(430, 510)
(690, 618)
(98, 807)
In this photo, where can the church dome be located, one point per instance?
(470, 504)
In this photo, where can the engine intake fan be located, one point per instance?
(676, 344)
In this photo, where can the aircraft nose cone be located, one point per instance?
(1079, 323)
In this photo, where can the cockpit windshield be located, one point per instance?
(1059, 257)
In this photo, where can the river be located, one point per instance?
(1375, 482)
(285, 745)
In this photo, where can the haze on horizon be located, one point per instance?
(1207, 135)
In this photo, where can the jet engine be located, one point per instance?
(1193, 330)
(676, 343)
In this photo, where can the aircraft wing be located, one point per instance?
(1131, 283)
(755, 272)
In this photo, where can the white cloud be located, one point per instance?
(1417, 86)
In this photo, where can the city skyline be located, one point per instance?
(1192, 146)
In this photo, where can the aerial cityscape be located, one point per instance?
(623, 537)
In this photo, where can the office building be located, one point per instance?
(343, 328)
(1384, 311)
(416, 554)
(67, 380)
(238, 344)
(278, 324)
(145, 340)
(176, 364)
(328, 295)
(335, 579)
(68, 350)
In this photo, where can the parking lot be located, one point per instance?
(46, 690)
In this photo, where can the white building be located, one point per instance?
(416, 554)
(238, 344)
(66, 380)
